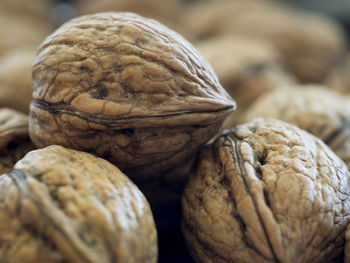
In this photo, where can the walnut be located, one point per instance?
(310, 44)
(247, 69)
(16, 79)
(314, 108)
(14, 138)
(62, 205)
(37, 9)
(267, 191)
(21, 31)
(125, 88)
(338, 78)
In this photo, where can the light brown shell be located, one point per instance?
(62, 205)
(314, 108)
(267, 191)
(125, 88)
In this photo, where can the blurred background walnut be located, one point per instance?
(16, 79)
(309, 44)
(267, 191)
(14, 138)
(338, 78)
(246, 68)
(61, 205)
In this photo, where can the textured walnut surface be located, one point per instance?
(14, 138)
(126, 88)
(16, 79)
(314, 108)
(267, 192)
(61, 205)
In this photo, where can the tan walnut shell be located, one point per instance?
(267, 191)
(62, 205)
(125, 88)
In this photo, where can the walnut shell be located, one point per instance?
(14, 138)
(125, 88)
(267, 191)
(62, 205)
(314, 108)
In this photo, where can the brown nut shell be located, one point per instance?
(267, 191)
(125, 88)
(62, 205)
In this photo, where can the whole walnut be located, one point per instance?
(60, 205)
(16, 79)
(314, 108)
(267, 191)
(125, 88)
(14, 138)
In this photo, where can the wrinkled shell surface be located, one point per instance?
(125, 88)
(316, 109)
(14, 138)
(267, 192)
(61, 205)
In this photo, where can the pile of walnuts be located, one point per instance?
(132, 139)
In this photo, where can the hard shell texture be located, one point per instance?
(314, 108)
(267, 191)
(125, 88)
(62, 205)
